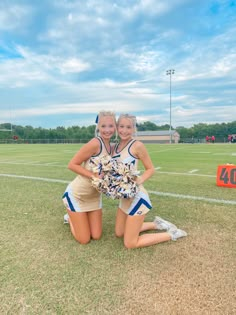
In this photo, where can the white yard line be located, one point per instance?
(31, 163)
(36, 178)
(186, 174)
(231, 202)
(58, 165)
(18, 161)
(4, 161)
(222, 201)
(193, 171)
(228, 154)
(170, 149)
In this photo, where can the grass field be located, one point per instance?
(43, 270)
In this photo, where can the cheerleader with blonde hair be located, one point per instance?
(83, 202)
(131, 211)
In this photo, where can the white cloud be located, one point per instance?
(85, 56)
(73, 65)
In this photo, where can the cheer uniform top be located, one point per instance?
(80, 195)
(141, 203)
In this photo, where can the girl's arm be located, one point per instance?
(87, 150)
(141, 153)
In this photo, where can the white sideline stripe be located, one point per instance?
(157, 168)
(231, 202)
(55, 165)
(37, 178)
(186, 174)
(169, 149)
(33, 163)
(15, 161)
(225, 153)
(193, 171)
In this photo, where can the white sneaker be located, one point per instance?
(175, 234)
(66, 218)
(162, 224)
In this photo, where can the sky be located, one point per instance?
(62, 61)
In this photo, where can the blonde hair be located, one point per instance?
(131, 118)
(104, 114)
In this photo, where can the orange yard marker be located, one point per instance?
(226, 176)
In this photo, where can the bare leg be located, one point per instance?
(132, 239)
(158, 224)
(95, 223)
(131, 226)
(85, 225)
(120, 223)
(147, 226)
(79, 226)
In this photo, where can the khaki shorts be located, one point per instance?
(138, 205)
(78, 202)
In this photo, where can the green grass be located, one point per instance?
(43, 270)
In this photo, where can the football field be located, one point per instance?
(45, 271)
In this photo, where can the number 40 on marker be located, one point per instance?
(226, 175)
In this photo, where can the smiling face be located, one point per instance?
(106, 127)
(125, 128)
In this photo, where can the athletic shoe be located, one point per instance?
(162, 224)
(175, 234)
(66, 218)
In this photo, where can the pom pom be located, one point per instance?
(117, 180)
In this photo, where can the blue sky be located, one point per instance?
(63, 61)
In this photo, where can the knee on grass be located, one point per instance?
(119, 230)
(86, 237)
(83, 241)
(129, 244)
(86, 240)
(119, 234)
(96, 236)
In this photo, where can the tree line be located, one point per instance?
(198, 131)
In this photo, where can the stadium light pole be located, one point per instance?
(170, 72)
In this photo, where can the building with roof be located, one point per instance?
(161, 136)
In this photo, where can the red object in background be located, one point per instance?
(15, 137)
(226, 176)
